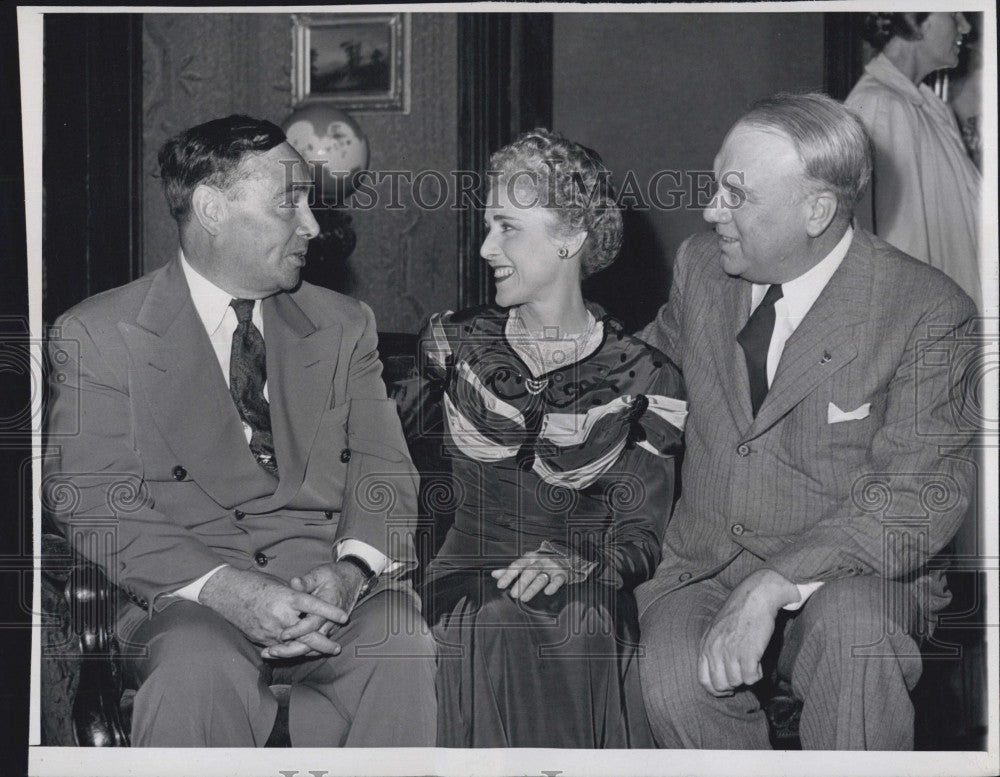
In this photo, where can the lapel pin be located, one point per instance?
(826, 357)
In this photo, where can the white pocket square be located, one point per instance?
(834, 415)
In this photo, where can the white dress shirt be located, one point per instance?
(219, 320)
(797, 297)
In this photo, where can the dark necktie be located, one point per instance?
(755, 339)
(247, 375)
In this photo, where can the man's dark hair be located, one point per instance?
(211, 154)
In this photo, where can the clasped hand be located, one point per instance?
(290, 620)
(532, 573)
(733, 644)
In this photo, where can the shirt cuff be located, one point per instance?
(191, 591)
(372, 557)
(805, 591)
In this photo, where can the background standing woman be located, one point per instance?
(926, 190)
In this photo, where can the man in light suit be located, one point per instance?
(827, 459)
(226, 425)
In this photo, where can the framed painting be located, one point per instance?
(356, 62)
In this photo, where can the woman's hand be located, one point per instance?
(534, 572)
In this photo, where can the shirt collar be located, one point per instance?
(210, 301)
(798, 295)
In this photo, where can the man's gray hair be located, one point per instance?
(831, 141)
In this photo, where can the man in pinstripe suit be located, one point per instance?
(825, 464)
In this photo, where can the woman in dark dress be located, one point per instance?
(561, 431)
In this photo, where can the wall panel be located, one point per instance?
(201, 66)
(664, 101)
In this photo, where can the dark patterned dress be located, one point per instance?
(579, 461)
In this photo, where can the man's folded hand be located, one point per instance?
(338, 584)
(262, 607)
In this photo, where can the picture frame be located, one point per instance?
(356, 62)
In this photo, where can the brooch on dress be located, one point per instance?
(536, 386)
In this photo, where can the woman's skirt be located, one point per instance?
(557, 671)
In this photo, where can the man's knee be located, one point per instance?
(860, 612)
(681, 711)
(668, 664)
(192, 645)
(859, 623)
(391, 624)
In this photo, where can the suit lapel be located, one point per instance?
(825, 341)
(729, 359)
(301, 362)
(176, 370)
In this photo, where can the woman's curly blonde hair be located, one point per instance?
(570, 179)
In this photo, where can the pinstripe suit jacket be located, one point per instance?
(817, 500)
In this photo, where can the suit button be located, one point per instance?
(260, 559)
(743, 450)
(738, 529)
(143, 603)
(328, 514)
(684, 577)
(179, 472)
(239, 515)
(345, 455)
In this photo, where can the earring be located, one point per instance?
(563, 252)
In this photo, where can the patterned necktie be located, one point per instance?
(755, 339)
(247, 376)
